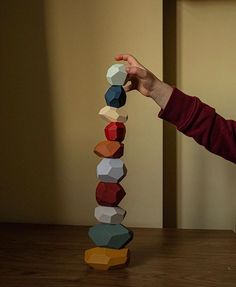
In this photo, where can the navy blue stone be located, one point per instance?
(110, 235)
(115, 96)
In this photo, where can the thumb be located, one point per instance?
(136, 71)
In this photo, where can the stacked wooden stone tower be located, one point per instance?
(110, 236)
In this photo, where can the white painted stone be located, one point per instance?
(116, 74)
(111, 215)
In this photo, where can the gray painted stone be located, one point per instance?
(111, 215)
(111, 170)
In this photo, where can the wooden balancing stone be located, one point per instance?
(109, 235)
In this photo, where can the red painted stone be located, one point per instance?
(109, 194)
(115, 131)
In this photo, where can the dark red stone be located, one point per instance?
(109, 194)
(115, 131)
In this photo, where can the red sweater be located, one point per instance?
(201, 122)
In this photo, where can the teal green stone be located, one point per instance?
(110, 235)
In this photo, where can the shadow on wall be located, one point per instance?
(28, 187)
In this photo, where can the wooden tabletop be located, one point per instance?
(52, 256)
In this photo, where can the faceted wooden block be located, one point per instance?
(101, 258)
(111, 215)
(110, 149)
(110, 235)
(116, 74)
(109, 194)
(113, 114)
(111, 170)
(115, 131)
(115, 96)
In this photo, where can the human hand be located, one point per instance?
(141, 79)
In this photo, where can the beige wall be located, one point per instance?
(206, 68)
(53, 64)
(28, 179)
(55, 60)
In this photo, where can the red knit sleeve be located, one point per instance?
(201, 122)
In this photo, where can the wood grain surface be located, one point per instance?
(52, 256)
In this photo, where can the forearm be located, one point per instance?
(201, 122)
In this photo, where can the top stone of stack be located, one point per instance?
(116, 75)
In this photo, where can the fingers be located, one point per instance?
(129, 87)
(136, 71)
(128, 58)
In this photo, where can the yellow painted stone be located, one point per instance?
(101, 258)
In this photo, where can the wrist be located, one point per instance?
(161, 93)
